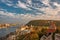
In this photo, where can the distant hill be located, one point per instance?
(42, 23)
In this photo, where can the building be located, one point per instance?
(46, 38)
(57, 36)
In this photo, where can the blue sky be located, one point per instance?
(12, 11)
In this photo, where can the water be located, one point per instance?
(5, 31)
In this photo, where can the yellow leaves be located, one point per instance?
(35, 35)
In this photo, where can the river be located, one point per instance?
(5, 31)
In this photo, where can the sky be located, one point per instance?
(22, 11)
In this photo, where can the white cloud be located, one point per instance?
(7, 2)
(17, 16)
(7, 14)
(22, 5)
(46, 2)
(6, 17)
(56, 4)
(29, 2)
(50, 13)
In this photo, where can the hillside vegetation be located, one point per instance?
(42, 22)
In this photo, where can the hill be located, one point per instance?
(42, 23)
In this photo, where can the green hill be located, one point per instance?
(42, 23)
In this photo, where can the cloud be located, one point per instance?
(29, 1)
(7, 17)
(14, 15)
(46, 2)
(7, 2)
(7, 14)
(49, 12)
(56, 4)
(22, 5)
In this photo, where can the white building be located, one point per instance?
(46, 38)
(57, 36)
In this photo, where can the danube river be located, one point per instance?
(5, 31)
